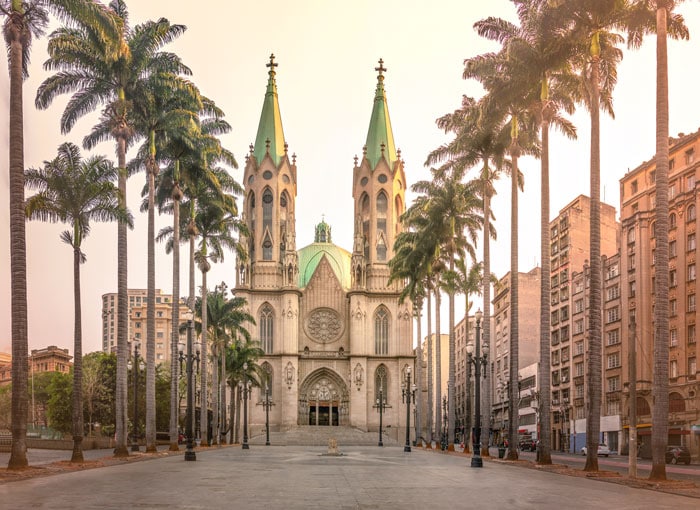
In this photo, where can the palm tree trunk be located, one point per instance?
(429, 404)
(594, 320)
(175, 336)
(204, 413)
(659, 416)
(151, 316)
(438, 362)
(544, 400)
(238, 413)
(18, 253)
(419, 378)
(452, 360)
(77, 397)
(468, 387)
(215, 390)
(486, 293)
(514, 396)
(120, 449)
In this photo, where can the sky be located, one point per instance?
(327, 51)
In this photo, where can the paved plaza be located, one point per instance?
(296, 477)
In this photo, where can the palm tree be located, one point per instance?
(25, 20)
(658, 16)
(540, 45)
(241, 366)
(77, 192)
(110, 71)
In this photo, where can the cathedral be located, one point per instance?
(334, 334)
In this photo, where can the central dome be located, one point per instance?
(311, 255)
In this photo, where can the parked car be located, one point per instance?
(603, 450)
(677, 454)
(527, 445)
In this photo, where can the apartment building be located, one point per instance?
(138, 301)
(528, 344)
(638, 201)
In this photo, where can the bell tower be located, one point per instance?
(270, 183)
(379, 187)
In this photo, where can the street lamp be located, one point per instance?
(408, 392)
(244, 387)
(381, 406)
(443, 437)
(137, 366)
(474, 356)
(266, 403)
(190, 358)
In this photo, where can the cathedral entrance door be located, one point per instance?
(323, 400)
(323, 414)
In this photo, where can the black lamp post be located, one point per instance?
(408, 393)
(474, 356)
(136, 366)
(443, 442)
(244, 387)
(189, 358)
(266, 403)
(381, 406)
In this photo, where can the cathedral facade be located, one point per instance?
(333, 331)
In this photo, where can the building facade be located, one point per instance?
(638, 200)
(331, 326)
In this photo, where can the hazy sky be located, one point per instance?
(327, 51)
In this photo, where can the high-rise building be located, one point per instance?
(138, 301)
(638, 215)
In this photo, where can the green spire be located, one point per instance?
(380, 137)
(270, 134)
(323, 232)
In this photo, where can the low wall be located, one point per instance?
(89, 443)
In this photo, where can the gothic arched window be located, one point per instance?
(251, 219)
(381, 226)
(381, 331)
(365, 213)
(267, 224)
(266, 328)
(380, 383)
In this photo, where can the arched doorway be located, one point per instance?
(323, 400)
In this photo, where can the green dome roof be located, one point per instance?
(310, 256)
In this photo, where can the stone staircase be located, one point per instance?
(306, 435)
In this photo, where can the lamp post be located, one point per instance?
(266, 403)
(380, 406)
(244, 387)
(565, 425)
(443, 436)
(137, 365)
(408, 393)
(189, 358)
(474, 356)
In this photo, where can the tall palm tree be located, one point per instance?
(241, 366)
(71, 190)
(109, 71)
(541, 46)
(25, 20)
(164, 103)
(658, 16)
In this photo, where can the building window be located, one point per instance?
(578, 369)
(613, 270)
(266, 329)
(578, 348)
(578, 306)
(691, 333)
(691, 272)
(691, 302)
(690, 182)
(672, 278)
(579, 391)
(634, 187)
(613, 337)
(692, 366)
(691, 242)
(578, 326)
(633, 288)
(382, 240)
(673, 369)
(613, 314)
(613, 292)
(691, 213)
(631, 236)
(380, 383)
(614, 383)
(672, 220)
(672, 307)
(267, 224)
(381, 331)
(614, 360)
(673, 337)
(689, 156)
(672, 248)
(672, 190)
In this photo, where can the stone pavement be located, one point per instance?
(296, 477)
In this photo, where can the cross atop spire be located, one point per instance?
(272, 63)
(381, 69)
